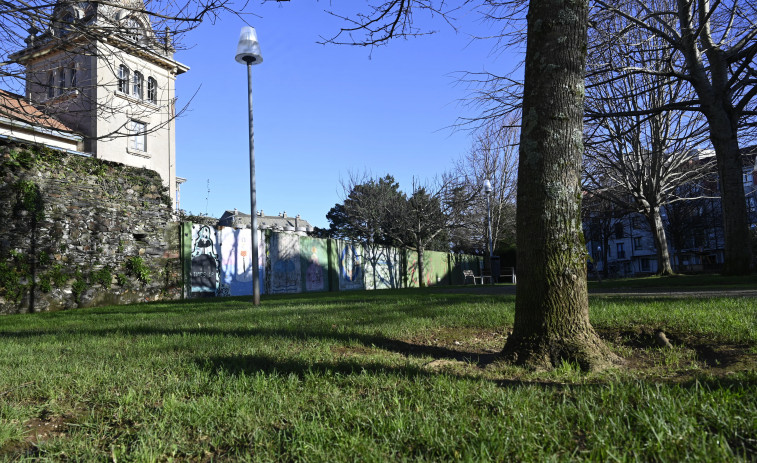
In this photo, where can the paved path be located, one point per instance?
(616, 292)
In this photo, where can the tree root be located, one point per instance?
(541, 352)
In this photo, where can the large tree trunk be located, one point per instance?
(715, 93)
(551, 308)
(421, 268)
(660, 241)
(738, 249)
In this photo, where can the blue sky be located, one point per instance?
(320, 112)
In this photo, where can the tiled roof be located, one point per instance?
(17, 108)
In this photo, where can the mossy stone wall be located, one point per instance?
(78, 231)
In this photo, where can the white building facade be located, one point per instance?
(103, 71)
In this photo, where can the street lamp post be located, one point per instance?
(248, 52)
(488, 192)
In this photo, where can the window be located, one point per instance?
(645, 265)
(138, 137)
(50, 84)
(138, 85)
(123, 79)
(152, 90)
(72, 77)
(621, 251)
(61, 81)
(637, 242)
(133, 29)
(618, 230)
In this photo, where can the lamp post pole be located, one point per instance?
(253, 192)
(488, 192)
(248, 52)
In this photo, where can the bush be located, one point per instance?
(104, 276)
(137, 268)
(79, 286)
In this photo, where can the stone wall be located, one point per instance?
(78, 231)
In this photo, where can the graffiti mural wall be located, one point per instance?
(314, 264)
(205, 275)
(350, 266)
(383, 268)
(219, 262)
(236, 261)
(285, 263)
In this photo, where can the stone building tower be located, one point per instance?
(103, 71)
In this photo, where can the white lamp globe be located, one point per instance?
(248, 48)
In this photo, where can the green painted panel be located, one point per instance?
(186, 256)
(314, 264)
(436, 268)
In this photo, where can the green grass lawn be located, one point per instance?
(372, 376)
(702, 282)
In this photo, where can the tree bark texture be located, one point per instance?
(551, 308)
(660, 240)
(738, 250)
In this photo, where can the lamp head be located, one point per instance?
(248, 48)
(487, 186)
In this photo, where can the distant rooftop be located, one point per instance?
(281, 222)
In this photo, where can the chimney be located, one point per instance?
(284, 214)
(167, 41)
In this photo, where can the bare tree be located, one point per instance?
(493, 156)
(639, 161)
(713, 48)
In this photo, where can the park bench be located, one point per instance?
(508, 273)
(469, 274)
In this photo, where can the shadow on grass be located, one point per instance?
(251, 364)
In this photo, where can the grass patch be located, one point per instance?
(699, 282)
(372, 376)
